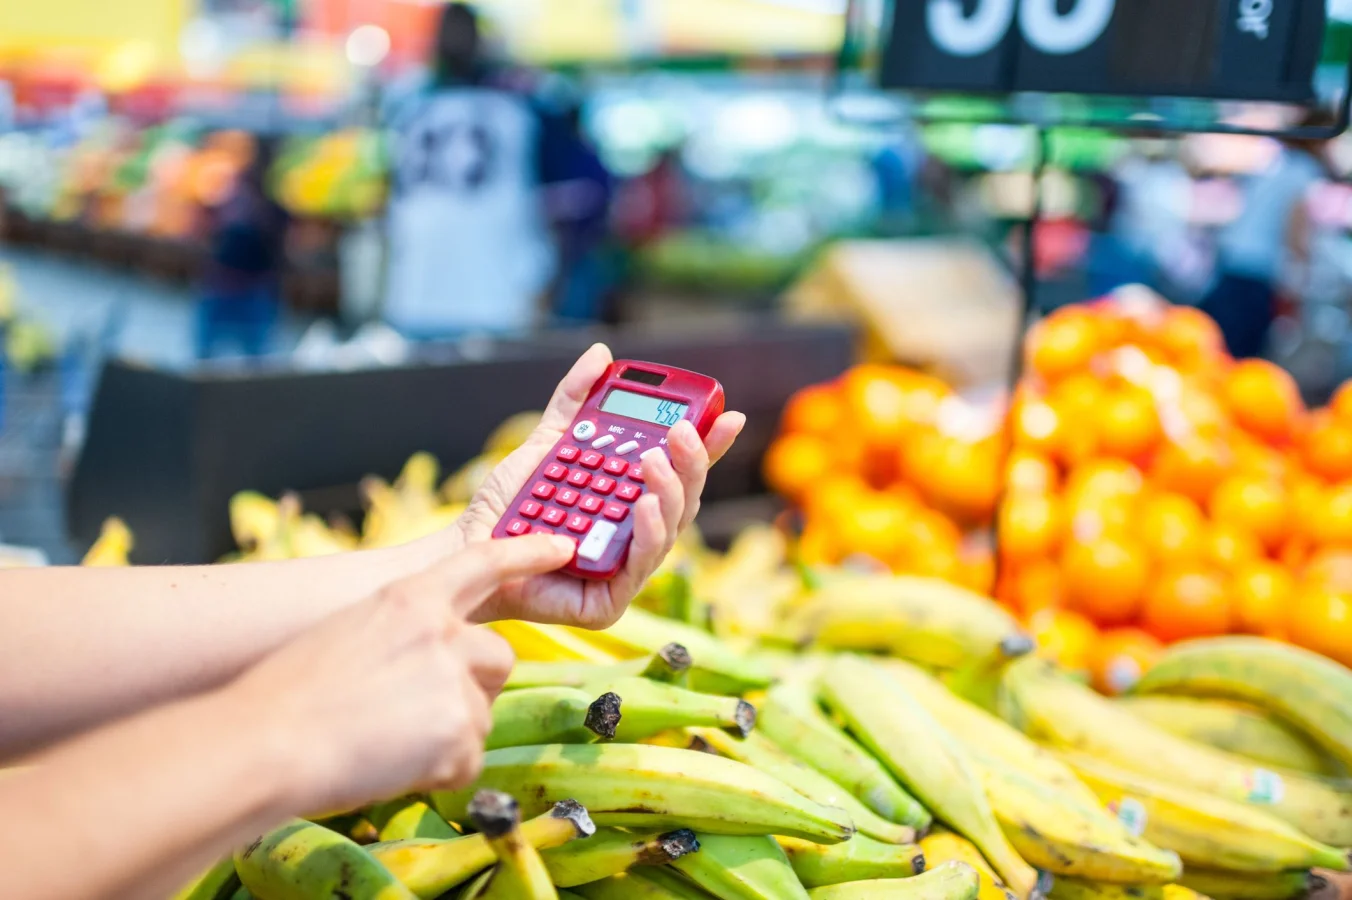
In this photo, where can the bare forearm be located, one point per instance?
(138, 809)
(82, 647)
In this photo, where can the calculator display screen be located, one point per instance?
(640, 406)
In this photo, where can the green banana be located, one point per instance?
(216, 883)
(520, 873)
(643, 884)
(542, 715)
(790, 716)
(898, 730)
(1236, 728)
(416, 820)
(1080, 889)
(430, 867)
(631, 709)
(716, 668)
(242, 894)
(1250, 886)
(858, 859)
(301, 860)
(742, 867)
(568, 895)
(1059, 834)
(1310, 691)
(644, 786)
(671, 663)
(1206, 830)
(610, 852)
(1054, 709)
(949, 881)
(762, 754)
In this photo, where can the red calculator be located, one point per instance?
(587, 485)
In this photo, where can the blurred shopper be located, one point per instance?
(1269, 237)
(578, 200)
(241, 288)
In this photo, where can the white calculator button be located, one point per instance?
(627, 447)
(604, 440)
(584, 430)
(596, 541)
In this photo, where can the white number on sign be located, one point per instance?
(1042, 26)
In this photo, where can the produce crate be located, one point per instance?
(166, 450)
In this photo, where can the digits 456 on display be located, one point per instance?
(1042, 26)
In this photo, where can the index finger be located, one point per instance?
(467, 578)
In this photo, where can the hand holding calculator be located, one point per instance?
(587, 485)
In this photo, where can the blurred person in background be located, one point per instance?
(578, 201)
(1269, 239)
(240, 301)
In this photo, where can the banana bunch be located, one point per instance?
(113, 546)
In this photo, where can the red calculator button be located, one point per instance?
(540, 529)
(616, 466)
(566, 497)
(579, 478)
(556, 472)
(568, 453)
(591, 459)
(628, 492)
(603, 485)
(636, 474)
(578, 523)
(517, 527)
(530, 509)
(615, 512)
(554, 516)
(543, 490)
(591, 504)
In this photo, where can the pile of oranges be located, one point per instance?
(1157, 489)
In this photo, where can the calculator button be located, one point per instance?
(628, 492)
(517, 527)
(530, 509)
(556, 472)
(604, 440)
(615, 512)
(591, 459)
(578, 523)
(566, 497)
(636, 474)
(594, 545)
(616, 466)
(543, 490)
(554, 516)
(584, 430)
(591, 504)
(603, 485)
(579, 478)
(567, 453)
(627, 447)
(540, 529)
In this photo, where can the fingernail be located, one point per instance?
(647, 456)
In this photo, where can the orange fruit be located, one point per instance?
(1264, 399)
(818, 409)
(794, 463)
(1063, 343)
(876, 404)
(1259, 505)
(976, 570)
(1187, 602)
(1200, 410)
(1104, 479)
(1331, 568)
(1331, 519)
(1075, 401)
(1190, 338)
(919, 454)
(1093, 519)
(1034, 586)
(833, 497)
(1228, 546)
(816, 545)
(1120, 657)
(1262, 591)
(965, 479)
(874, 527)
(1192, 467)
(1030, 473)
(1037, 427)
(924, 395)
(1171, 527)
(1030, 527)
(1253, 457)
(1105, 578)
(1327, 446)
(1321, 620)
(927, 534)
(1063, 636)
(1127, 425)
(1341, 404)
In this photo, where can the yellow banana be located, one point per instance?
(1236, 728)
(949, 881)
(112, 547)
(512, 433)
(634, 708)
(216, 883)
(1054, 709)
(942, 845)
(642, 884)
(543, 715)
(858, 859)
(534, 642)
(301, 860)
(1206, 830)
(415, 820)
(254, 519)
(520, 873)
(1250, 886)
(611, 851)
(716, 668)
(643, 786)
(1081, 889)
(761, 754)
(791, 718)
(924, 756)
(742, 867)
(430, 867)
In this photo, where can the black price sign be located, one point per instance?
(1221, 49)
